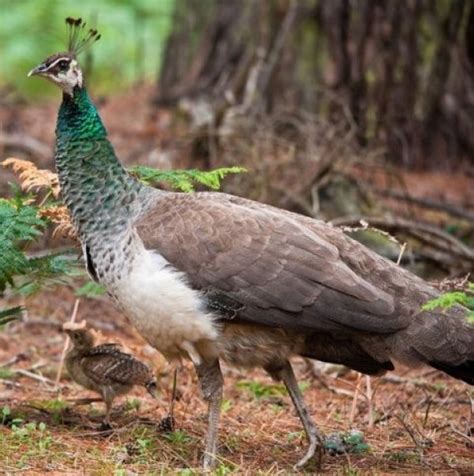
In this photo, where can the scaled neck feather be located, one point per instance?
(98, 191)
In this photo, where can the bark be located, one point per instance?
(436, 84)
(398, 74)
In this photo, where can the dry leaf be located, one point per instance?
(33, 178)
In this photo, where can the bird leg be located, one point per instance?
(170, 417)
(108, 400)
(316, 447)
(211, 382)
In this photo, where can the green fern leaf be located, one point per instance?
(19, 223)
(184, 180)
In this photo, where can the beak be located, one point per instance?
(38, 70)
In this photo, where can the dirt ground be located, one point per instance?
(422, 419)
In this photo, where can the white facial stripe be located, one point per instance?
(67, 79)
(64, 58)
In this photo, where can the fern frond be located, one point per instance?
(32, 178)
(36, 179)
(47, 271)
(19, 223)
(91, 290)
(184, 180)
(59, 215)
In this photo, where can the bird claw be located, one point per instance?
(315, 450)
(209, 462)
(105, 426)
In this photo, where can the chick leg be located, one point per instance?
(108, 397)
(211, 382)
(316, 447)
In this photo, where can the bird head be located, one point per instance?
(81, 337)
(63, 69)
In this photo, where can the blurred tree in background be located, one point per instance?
(401, 72)
(133, 34)
(341, 109)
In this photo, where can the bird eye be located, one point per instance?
(63, 64)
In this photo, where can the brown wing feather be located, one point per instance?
(106, 364)
(285, 269)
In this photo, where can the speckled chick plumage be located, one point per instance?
(106, 368)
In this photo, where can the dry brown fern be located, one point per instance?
(36, 179)
(33, 178)
(59, 215)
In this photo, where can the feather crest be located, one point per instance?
(80, 38)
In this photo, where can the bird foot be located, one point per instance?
(105, 426)
(315, 451)
(209, 462)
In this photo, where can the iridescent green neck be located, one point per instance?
(79, 118)
(96, 188)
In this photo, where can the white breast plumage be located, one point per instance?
(163, 307)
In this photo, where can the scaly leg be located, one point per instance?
(211, 382)
(108, 397)
(316, 446)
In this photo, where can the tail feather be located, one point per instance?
(444, 340)
(464, 371)
(344, 351)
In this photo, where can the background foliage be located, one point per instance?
(33, 29)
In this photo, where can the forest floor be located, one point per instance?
(421, 417)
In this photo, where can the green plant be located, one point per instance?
(36, 434)
(24, 219)
(132, 404)
(144, 444)
(178, 437)
(56, 407)
(184, 180)
(447, 300)
(6, 412)
(226, 405)
(260, 390)
(90, 290)
(20, 225)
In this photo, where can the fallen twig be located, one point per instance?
(32, 375)
(10, 382)
(66, 344)
(83, 401)
(370, 400)
(424, 232)
(428, 203)
(468, 439)
(354, 400)
(13, 360)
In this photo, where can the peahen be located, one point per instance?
(211, 277)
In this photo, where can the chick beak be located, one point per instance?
(38, 70)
